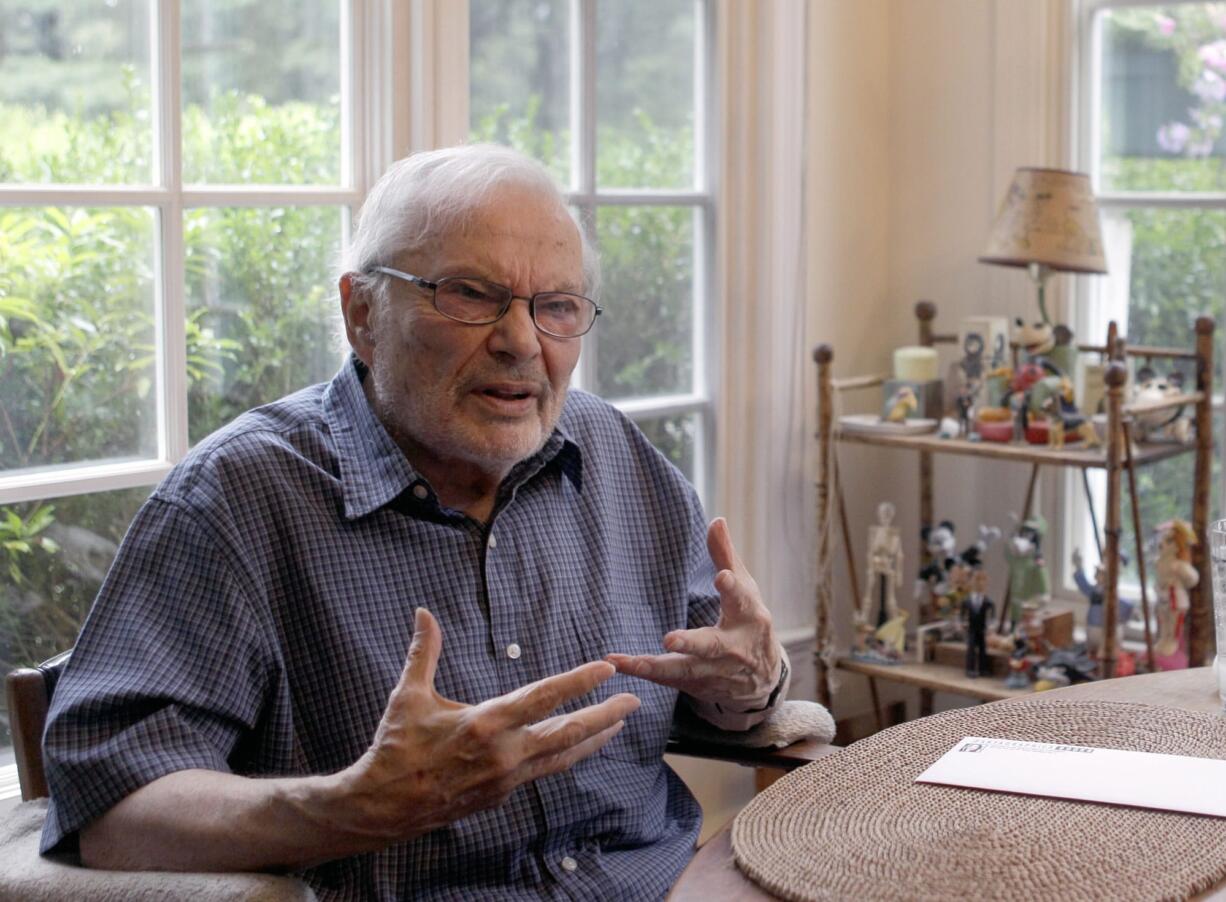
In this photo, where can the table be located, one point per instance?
(712, 875)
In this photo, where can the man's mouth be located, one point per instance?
(508, 392)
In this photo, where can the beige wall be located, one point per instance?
(972, 89)
(919, 111)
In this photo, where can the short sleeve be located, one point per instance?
(169, 673)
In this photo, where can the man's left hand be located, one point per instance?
(736, 663)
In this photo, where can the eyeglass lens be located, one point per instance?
(475, 301)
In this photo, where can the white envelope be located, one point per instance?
(1141, 779)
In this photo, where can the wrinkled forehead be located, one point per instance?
(513, 229)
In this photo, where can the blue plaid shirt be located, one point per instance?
(261, 605)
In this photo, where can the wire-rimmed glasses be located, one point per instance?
(466, 299)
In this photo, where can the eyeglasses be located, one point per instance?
(478, 302)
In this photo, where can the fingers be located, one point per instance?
(705, 642)
(534, 701)
(562, 732)
(560, 761)
(675, 670)
(738, 593)
(424, 650)
(719, 546)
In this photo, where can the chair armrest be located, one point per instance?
(789, 757)
(794, 734)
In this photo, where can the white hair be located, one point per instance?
(431, 193)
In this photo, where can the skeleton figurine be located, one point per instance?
(884, 576)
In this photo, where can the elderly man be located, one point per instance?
(240, 696)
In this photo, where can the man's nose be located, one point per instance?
(515, 334)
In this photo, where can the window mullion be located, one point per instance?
(583, 147)
(171, 305)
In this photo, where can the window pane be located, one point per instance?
(77, 380)
(261, 307)
(1164, 98)
(74, 92)
(54, 556)
(645, 93)
(519, 78)
(1177, 272)
(675, 437)
(1165, 492)
(644, 342)
(261, 92)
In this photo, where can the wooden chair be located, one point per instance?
(29, 695)
(30, 690)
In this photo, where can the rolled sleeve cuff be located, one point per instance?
(739, 721)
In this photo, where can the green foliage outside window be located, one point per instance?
(1178, 266)
(77, 349)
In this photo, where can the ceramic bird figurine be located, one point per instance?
(900, 404)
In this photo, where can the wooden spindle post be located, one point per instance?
(823, 355)
(925, 312)
(1116, 376)
(1200, 619)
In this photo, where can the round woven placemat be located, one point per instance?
(856, 825)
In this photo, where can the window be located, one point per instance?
(611, 97)
(171, 198)
(172, 195)
(1153, 98)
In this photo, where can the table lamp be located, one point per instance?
(1047, 221)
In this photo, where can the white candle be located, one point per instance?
(915, 364)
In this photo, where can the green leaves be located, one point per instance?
(20, 536)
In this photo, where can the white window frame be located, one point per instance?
(588, 198)
(1086, 151)
(365, 152)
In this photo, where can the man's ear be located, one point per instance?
(359, 330)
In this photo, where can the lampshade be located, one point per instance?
(1049, 217)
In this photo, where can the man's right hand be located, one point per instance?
(434, 760)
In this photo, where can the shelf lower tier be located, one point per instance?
(937, 677)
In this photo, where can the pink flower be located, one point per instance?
(1210, 86)
(1166, 24)
(1173, 137)
(1214, 55)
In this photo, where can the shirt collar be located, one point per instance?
(373, 469)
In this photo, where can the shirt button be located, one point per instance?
(513, 651)
(492, 542)
(569, 864)
(421, 491)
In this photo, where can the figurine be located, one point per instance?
(900, 404)
(1027, 570)
(882, 638)
(1065, 666)
(945, 594)
(1170, 425)
(1019, 665)
(1017, 404)
(1094, 594)
(1038, 341)
(977, 610)
(965, 403)
(884, 570)
(1175, 575)
(940, 541)
(971, 363)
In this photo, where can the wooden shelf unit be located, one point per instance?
(1116, 456)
